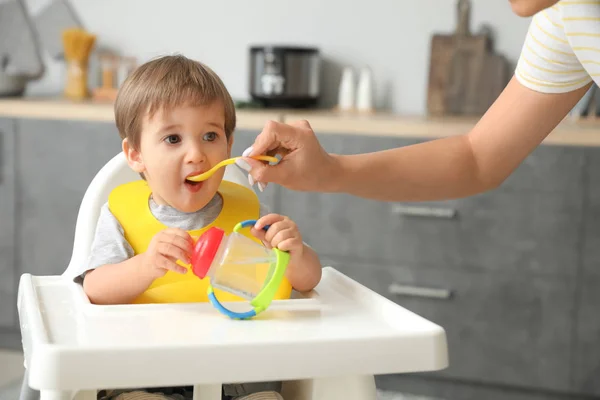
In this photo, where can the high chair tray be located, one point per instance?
(342, 328)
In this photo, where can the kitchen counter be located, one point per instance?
(89, 110)
(570, 133)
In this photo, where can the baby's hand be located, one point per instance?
(165, 248)
(283, 233)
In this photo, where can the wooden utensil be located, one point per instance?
(463, 72)
(490, 82)
(442, 49)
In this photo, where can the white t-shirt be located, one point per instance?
(562, 50)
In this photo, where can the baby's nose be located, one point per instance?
(195, 155)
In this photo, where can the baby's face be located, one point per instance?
(179, 143)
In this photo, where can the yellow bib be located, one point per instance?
(129, 204)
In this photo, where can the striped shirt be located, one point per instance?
(562, 50)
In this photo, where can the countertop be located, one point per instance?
(95, 111)
(585, 132)
(576, 133)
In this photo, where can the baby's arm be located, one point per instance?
(118, 283)
(304, 269)
(114, 275)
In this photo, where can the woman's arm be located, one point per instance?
(462, 165)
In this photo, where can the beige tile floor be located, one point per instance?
(11, 366)
(11, 373)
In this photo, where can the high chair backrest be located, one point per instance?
(113, 174)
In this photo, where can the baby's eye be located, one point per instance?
(173, 139)
(210, 136)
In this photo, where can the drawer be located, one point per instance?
(10, 339)
(426, 388)
(586, 361)
(591, 242)
(551, 169)
(56, 160)
(502, 328)
(500, 230)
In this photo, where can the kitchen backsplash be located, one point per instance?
(390, 36)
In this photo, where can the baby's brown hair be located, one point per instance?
(168, 82)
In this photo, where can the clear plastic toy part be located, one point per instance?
(205, 175)
(264, 298)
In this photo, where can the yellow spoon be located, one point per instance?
(205, 175)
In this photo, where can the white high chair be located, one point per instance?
(328, 345)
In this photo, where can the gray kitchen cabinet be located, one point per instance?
(10, 338)
(420, 388)
(586, 361)
(501, 231)
(551, 169)
(56, 161)
(502, 328)
(591, 227)
(8, 243)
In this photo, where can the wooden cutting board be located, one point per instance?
(467, 62)
(490, 82)
(463, 72)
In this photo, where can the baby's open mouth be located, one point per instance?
(192, 185)
(187, 181)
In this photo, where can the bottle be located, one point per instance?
(346, 95)
(364, 92)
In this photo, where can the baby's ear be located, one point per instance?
(133, 156)
(229, 145)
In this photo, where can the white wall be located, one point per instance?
(392, 36)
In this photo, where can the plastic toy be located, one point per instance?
(238, 265)
(205, 175)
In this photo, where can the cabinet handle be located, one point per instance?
(418, 291)
(421, 211)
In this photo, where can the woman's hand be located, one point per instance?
(304, 166)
